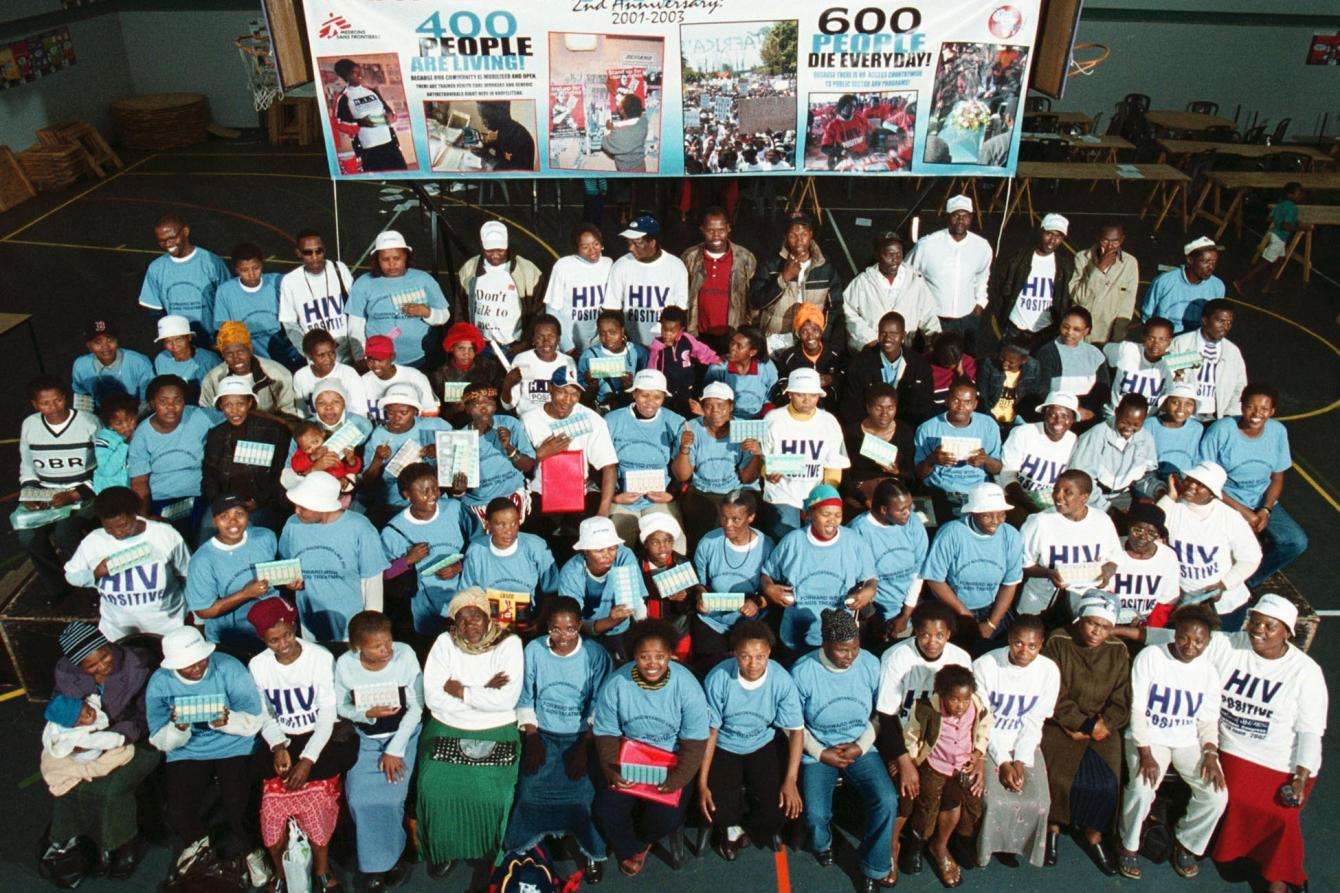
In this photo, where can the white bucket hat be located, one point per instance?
(183, 647)
(172, 327)
(596, 533)
(653, 522)
(1060, 398)
(986, 497)
(1098, 606)
(403, 394)
(804, 381)
(1211, 475)
(650, 380)
(389, 239)
(1278, 607)
(318, 492)
(1179, 390)
(233, 386)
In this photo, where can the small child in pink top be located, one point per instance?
(946, 736)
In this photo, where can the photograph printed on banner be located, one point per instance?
(478, 136)
(739, 96)
(977, 90)
(605, 100)
(365, 96)
(861, 131)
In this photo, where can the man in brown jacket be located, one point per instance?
(719, 276)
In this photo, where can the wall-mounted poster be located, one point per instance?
(676, 87)
(1324, 50)
(26, 60)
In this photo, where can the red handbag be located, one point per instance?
(563, 482)
(639, 754)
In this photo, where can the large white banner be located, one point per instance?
(593, 88)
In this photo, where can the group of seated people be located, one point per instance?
(565, 570)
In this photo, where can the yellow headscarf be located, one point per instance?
(807, 312)
(232, 332)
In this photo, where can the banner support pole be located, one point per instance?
(1005, 217)
(335, 202)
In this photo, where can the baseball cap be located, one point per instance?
(958, 203)
(99, 327)
(718, 390)
(1055, 223)
(493, 235)
(379, 347)
(389, 239)
(642, 225)
(649, 380)
(1197, 244)
(225, 502)
(564, 377)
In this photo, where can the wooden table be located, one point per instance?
(1103, 147)
(11, 321)
(1065, 119)
(1309, 216)
(1180, 151)
(1169, 185)
(1174, 119)
(1240, 183)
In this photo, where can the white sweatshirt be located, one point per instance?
(1021, 700)
(1054, 541)
(1272, 712)
(482, 707)
(298, 698)
(144, 598)
(1173, 703)
(1214, 544)
(905, 676)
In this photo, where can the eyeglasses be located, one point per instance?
(308, 252)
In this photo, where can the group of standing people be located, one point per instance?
(337, 557)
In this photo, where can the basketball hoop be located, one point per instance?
(255, 51)
(1095, 54)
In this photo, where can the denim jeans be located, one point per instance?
(871, 781)
(1281, 544)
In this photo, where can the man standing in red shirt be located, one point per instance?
(719, 276)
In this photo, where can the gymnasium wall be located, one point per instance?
(1225, 51)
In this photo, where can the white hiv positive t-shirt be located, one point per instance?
(316, 301)
(1141, 584)
(532, 391)
(1133, 374)
(818, 439)
(497, 304)
(367, 107)
(643, 290)
(1036, 458)
(905, 676)
(1032, 310)
(146, 597)
(1054, 541)
(575, 294)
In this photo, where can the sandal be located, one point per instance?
(1184, 861)
(1128, 864)
(632, 866)
(946, 869)
(327, 882)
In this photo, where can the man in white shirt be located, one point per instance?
(888, 285)
(312, 296)
(957, 265)
(646, 280)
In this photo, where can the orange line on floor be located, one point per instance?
(783, 871)
(165, 201)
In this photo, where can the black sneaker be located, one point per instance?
(125, 860)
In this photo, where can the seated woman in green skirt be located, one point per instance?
(469, 746)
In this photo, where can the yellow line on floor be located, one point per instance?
(11, 695)
(1316, 486)
(68, 202)
(118, 250)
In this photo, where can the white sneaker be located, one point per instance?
(258, 868)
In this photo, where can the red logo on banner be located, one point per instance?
(334, 26)
(1005, 22)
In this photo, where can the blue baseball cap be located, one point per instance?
(563, 377)
(642, 225)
